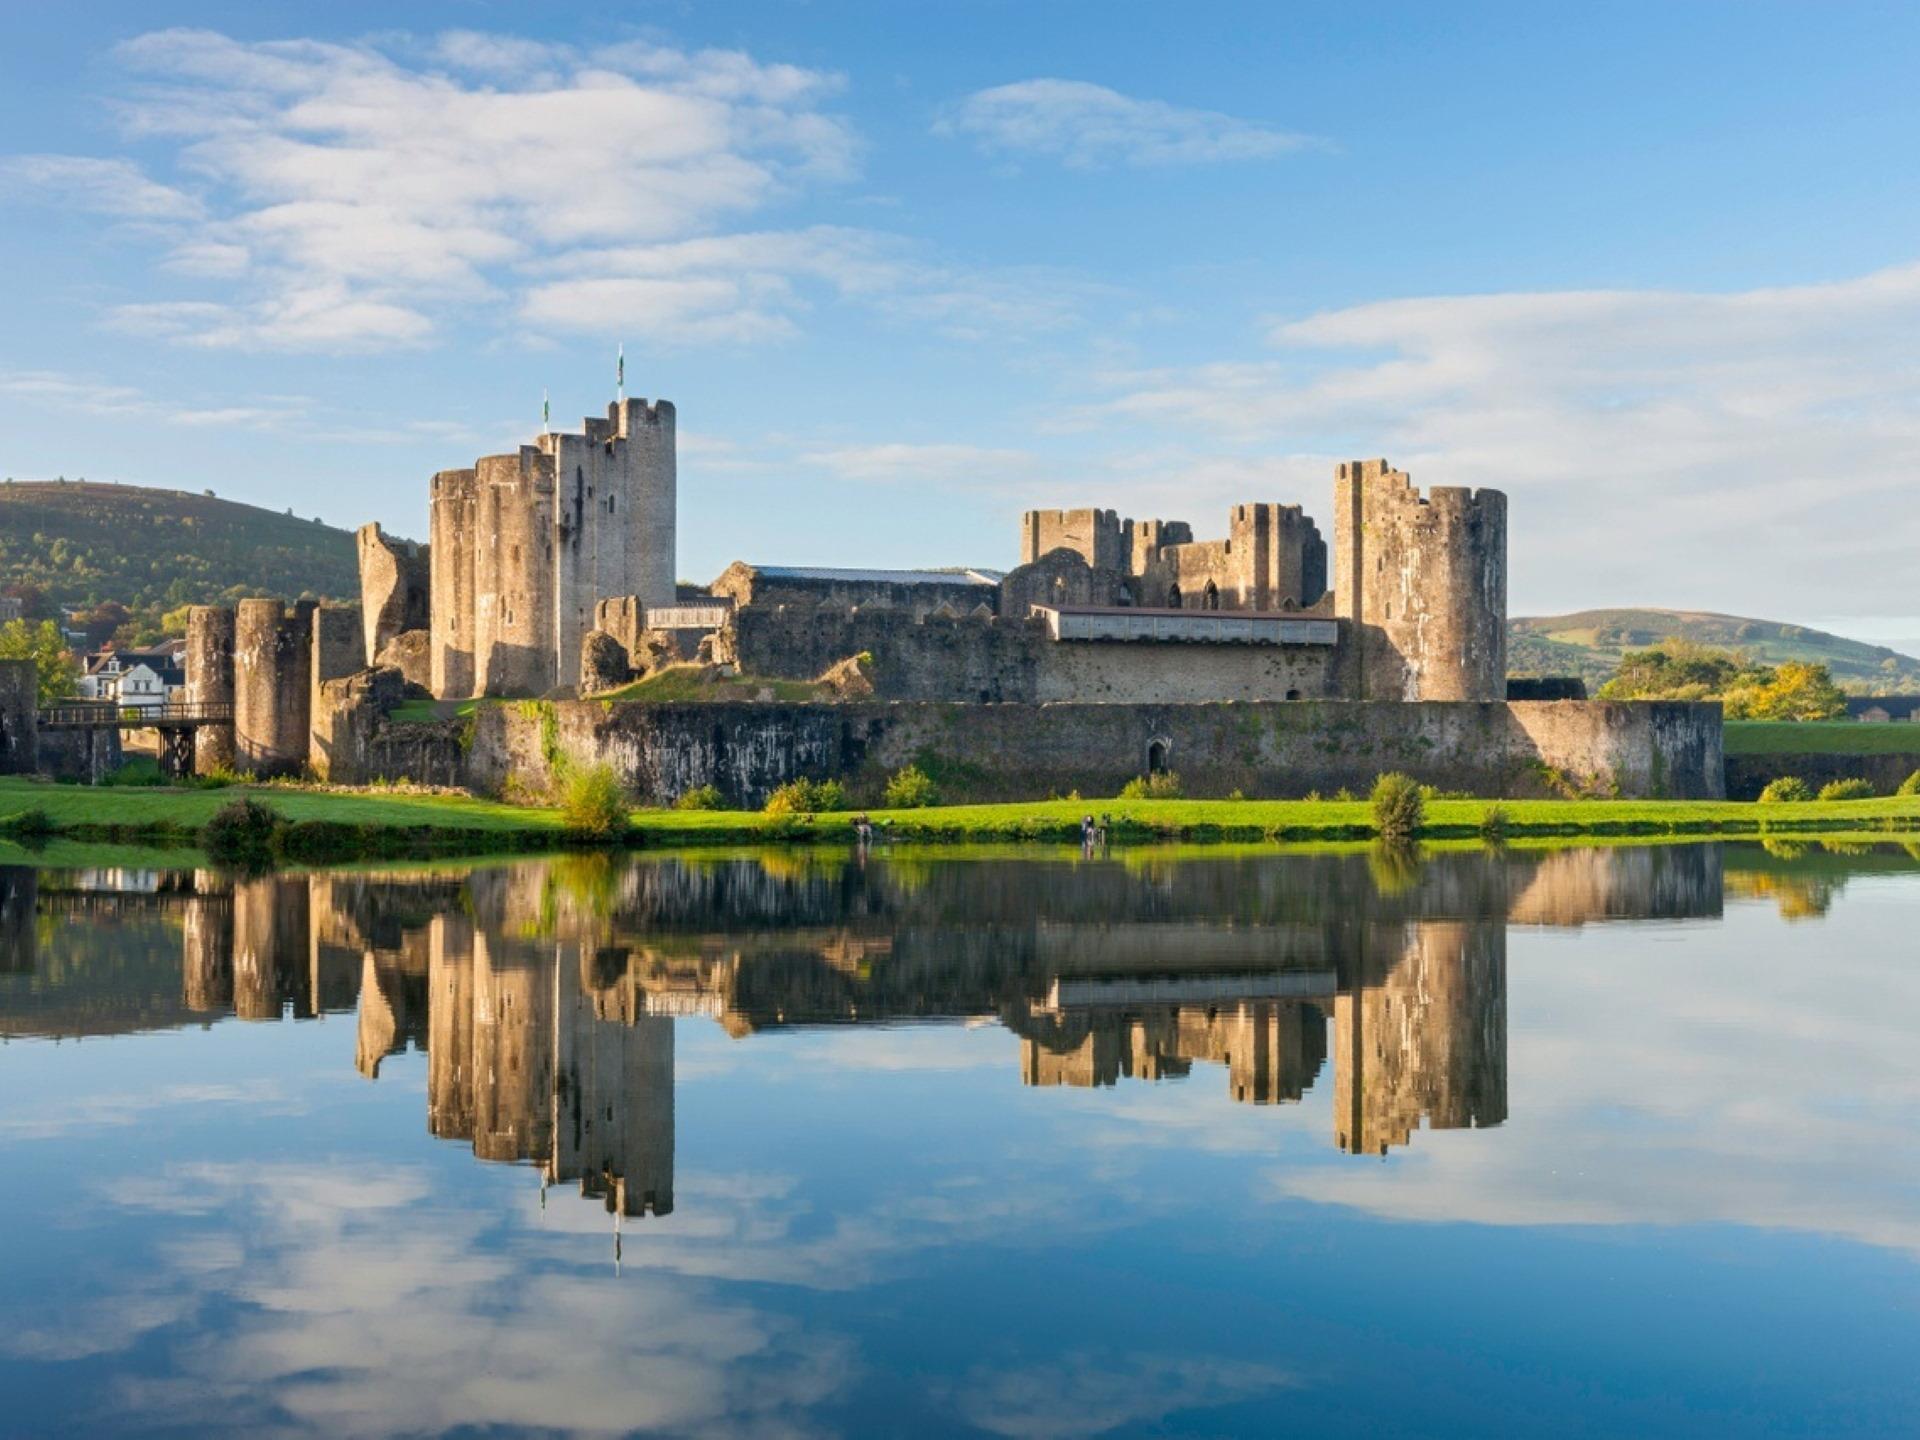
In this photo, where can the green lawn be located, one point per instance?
(86, 812)
(1821, 737)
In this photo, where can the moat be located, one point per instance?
(1607, 1140)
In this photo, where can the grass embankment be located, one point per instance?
(373, 823)
(1821, 737)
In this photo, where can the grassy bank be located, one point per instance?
(1821, 737)
(374, 823)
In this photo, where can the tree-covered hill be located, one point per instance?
(1591, 642)
(72, 544)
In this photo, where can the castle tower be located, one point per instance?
(272, 682)
(1423, 585)
(210, 639)
(613, 1095)
(395, 585)
(450, 1073)
(523, 546)
(513, 574)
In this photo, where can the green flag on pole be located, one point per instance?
(620, 372)
(546, 415)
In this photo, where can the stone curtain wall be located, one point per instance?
(1009, 752)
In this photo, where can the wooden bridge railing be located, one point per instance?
(96, 714)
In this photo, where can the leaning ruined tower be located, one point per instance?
(523, 546)
(1422, 583)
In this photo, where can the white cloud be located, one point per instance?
(1749, 452)
(1088, 126)
(80, 395)
(1085, 1393)
(922, 464)
(98, 186)
(355, 195)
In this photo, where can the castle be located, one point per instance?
(1269, 661)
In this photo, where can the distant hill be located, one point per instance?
(154, 550)
(1590, 643)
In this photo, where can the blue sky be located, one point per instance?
(908, 269)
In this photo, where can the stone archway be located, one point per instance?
(1159, 755)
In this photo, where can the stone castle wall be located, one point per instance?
(1016, 751)
(396, 578)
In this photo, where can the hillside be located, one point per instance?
(153, 550)
(1590, 643)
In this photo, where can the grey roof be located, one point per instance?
(880, 577)
(1896, 705)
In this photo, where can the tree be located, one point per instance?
(42, 644)
(1680, 670)
(1795, 691)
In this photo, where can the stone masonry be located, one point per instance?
(209, 667)
(523, 547)
(273, 678)
(395, 587)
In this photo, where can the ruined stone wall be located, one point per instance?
(1060, 577)
(273, 680)
(1097, 536)
(88, 756)
(19, 717)
(1424, 582)
(396, 588)
(451, 558)
(209, 667)
(1014, 751)
(624, 617)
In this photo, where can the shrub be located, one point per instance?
(1846, 790)
(593, 802)
(1398, 806)
(807, 797)
(241, 834)
(1162, 785)
(1910, 785)
(911, 788)
(1493, 824)
(1344, 794)
(1787, 789)
(29, 824)
(701, 797)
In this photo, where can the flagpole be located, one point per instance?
(546, 414)
(621, 373)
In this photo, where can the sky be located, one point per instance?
(906, 270)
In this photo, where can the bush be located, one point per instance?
(911, 789)
(1846, 790)
(29, 824)
(241, 834)
(1398, 806)
(1163, 785)
(1493, 824)
(1787, 789)
(593, 802)
(701, 797)
(806, 797)
(1910, 785)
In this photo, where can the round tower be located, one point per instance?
(272, 674)
(1422, 583)
(210, 682)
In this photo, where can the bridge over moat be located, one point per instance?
(176, 723)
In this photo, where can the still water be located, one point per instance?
(1583, 1142)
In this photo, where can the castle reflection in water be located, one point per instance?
(545, 993)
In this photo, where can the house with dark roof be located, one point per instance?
(1880, 709)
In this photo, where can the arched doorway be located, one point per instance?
(1210, 598)
(1159, 752)
(1173, 597)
